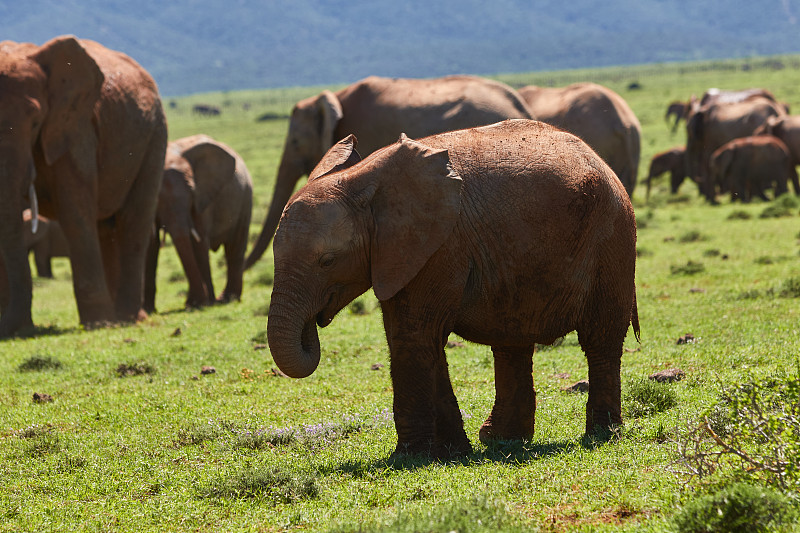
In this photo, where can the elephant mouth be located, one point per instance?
(329, 310)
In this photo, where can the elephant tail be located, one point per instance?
(635, 320)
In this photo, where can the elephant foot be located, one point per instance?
(225, 298)
(10, 327)
(490, 431)
(602, 423)
(434, 449)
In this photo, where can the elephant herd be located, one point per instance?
(467, 206)
(738, 142)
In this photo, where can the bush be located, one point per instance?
(790, 288)
(691, 267)
(645, 397)
(692, 236)
(269, 484)
(38, 363)
(738, 507)
(753, 430)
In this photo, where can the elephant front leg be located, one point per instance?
(426, 412)
(451, 439)
(512, 416)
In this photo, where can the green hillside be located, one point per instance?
(201, 45)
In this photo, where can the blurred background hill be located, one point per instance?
(193, 46)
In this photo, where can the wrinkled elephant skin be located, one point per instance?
(508, 235)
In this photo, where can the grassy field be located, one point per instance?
(140, 437)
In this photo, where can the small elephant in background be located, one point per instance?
(748, 166)
(672, 161)
(47, 242)
(205, 202)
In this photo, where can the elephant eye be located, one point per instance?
(327, 260)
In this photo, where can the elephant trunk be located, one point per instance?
(289, 172)
(293, 341)
(198, 291)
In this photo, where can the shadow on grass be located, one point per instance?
(507, 452)
(42, 331)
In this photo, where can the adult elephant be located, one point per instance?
(597, 115)
(45, 238)
(205, 202)
(718, 118)
(377, 110)
(787, 129)
(748, 166)
(509, 235)
(89, 141)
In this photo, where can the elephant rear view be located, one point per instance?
(508, 235)
(599, 116)
(748, 166)
(377, 110)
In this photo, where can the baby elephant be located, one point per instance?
(509, 235)
(672, 161)
(48, 242)
(748, 166)
(205, 201)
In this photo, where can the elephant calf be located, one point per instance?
(47, 242)
(508, 235)
(748, 166)
(205, 201)
(672, 161)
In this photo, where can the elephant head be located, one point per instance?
(49, 95)
(348, 229)
(195, 170)
(311, 134)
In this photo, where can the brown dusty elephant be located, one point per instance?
(89, 139)
(597, 115)
(672, 161)
(205, 202)
(377, 110)
(46, 242)
(748, 166)
(509, 235)
(718, 118)
(787, 129)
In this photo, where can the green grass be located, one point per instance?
(138, 439)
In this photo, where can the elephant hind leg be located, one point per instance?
(514, 409)
(603, 350)
(234, 258)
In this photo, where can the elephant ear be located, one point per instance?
(74, 83)
(415, 205)
(341, 156)
(329, 114)
(212, 165)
